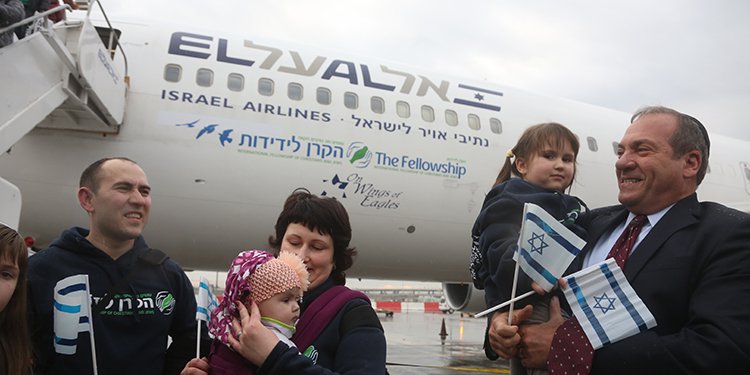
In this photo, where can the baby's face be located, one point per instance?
(283, 307)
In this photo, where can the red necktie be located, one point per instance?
(571, 352)
(624, 244)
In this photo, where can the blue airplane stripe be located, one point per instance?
(587, 311)
(540, 269)
(623, 298)
(572, 249)
(72, 288)
(474, 88)
(476, 104)
(68, 308)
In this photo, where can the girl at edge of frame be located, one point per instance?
(15, 342)
(538, 169)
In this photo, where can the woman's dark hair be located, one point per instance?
(326, 216)
(15, 343)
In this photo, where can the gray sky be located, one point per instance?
(688, 54)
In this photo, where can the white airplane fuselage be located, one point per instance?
(221, 162)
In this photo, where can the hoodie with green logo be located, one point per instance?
(131, 330)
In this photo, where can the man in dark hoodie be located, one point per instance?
(139, 296)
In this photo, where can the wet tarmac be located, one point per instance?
(415, 346)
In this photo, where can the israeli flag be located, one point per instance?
(545, 247)
(206, 301)
(605, 304)
(478, 97)
(72, 312)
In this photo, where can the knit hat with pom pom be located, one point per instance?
(255, 275)
(278, 275)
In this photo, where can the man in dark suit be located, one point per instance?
(690, 263)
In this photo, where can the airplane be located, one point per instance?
(227, 126)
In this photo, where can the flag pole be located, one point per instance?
(513, 294)
(93, 347)
(506, 303)
(515, 273)
(91, 329)
(198, 341)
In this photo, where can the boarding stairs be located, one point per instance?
(61, 76)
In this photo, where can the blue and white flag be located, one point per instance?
(545, 247)
(605, 304)
(72, 312)
(478, 97)
(206, 301)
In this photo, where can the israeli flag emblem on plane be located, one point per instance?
(545, 247)
(72, 312)
(478, 97)
(206, 301)
(605, 304)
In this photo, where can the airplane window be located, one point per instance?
(377, 104)
(451, 118)
(294, 91)
(593, 145)
(265, 86)
(323, 95)
(474, 122)
(496, 126)
(402, 108)
(172, 73)
(428, 114)
(205, 77)
(235, 81)
(351, 100)
(614, 146)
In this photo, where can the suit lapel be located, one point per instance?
(683, 214)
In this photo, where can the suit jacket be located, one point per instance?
(693, 272)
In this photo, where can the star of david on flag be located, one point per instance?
(478, 97)
(72, 312)
(545, 247)
(605, 304)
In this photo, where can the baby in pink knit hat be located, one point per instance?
(275, 284)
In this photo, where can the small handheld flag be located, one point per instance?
(72, 315)
(206, 303)
(72, 312)
(605, 304)
(545, 247)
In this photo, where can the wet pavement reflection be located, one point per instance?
(415, 345)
